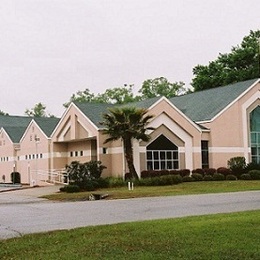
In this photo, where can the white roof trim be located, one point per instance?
(86, 118)
(179, 111)
(27, 129)
(66, 112)
(3, 130)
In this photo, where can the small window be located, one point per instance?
(76, 153)
(81, 153)
(104, 150)
(71, 154)
(41, 155)
(205, 154)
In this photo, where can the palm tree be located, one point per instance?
(127, 123)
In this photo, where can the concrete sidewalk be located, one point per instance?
(27, 194)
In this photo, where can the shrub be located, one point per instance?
(199, 170)
(145, 174)
(245, 176)
(90, 186)
(184, 172)
(231, 177)
(159, 181)
(116, 182)
(95, 169)
(197, 176)
(252, 166)
(85, 174)
(208, 177)
(70, 188)
(223, 170)
(210, 171)
(255, 174)
(163, 172)
(174, 172)
(187, 179)
(237, 165)
(102, 183)
(143, 182)
(173, 179)
(218, 177)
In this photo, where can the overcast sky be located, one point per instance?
(50, 49)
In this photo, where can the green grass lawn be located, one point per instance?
(180, 189)
(233, 236)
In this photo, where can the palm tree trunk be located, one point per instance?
(128, 149)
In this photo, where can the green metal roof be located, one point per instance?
(198, 106)
(205, 105)
(15, 126)
(47, 124)
(94, 111)
(15, 132)
(14, 121)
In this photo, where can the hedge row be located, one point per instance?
(163, 180)
(204, 172)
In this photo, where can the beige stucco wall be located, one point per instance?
(73, 138)
(229, 131)
(7, 157)
(113, 159)
(34, 155)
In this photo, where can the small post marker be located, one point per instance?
(130, 185)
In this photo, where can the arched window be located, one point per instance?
(162, 154)
(255, 134)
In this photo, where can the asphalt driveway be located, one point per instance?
(21, 212)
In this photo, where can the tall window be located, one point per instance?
(205, 154)
(162, 154)
(255, 134)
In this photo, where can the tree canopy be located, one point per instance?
(2, 113)
(39, 110)
(160, 87)
(121, 95)
(242, 63)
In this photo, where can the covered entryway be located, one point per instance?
(162, 154)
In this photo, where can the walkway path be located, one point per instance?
(23, 213)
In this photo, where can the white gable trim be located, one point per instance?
(65, 114)
(4, 131)
(181, 133)
(28, 127)
(175, 108)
